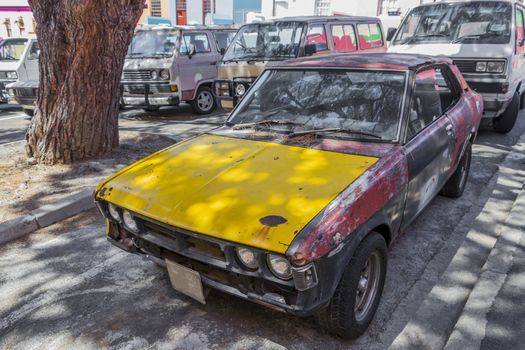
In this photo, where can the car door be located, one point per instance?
(430, 144)
(201, 66)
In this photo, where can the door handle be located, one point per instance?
(450, 129)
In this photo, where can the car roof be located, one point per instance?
(466, 1)
(320, 19)
(397, 61)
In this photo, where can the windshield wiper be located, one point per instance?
(421, 37)
(264, 122)
(474, 36)
(343, 130)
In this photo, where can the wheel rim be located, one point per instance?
(205, 100)
(367, 286)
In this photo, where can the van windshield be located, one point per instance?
(153, 43)
(266, 41)
(12, 49)
(487, 22)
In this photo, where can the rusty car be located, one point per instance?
(295, 201)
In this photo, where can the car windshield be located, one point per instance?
(12, 49)
(487, 22)
(153, 43)
(266, 41)
(368, 103)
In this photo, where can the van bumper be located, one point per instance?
(149, 94)
(151, 101)
(496, 95)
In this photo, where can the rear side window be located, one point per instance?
(200, 40)
(520, 33)
(344, 38)
(370, 36)
(317, 35)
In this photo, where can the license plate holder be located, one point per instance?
(186, 281)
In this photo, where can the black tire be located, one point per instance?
(505, 122)
(29, 112)
(151, 109)
(204, 102)
(455, 186)
(340, 316)
(522, 101)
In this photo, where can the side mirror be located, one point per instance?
(310, 49)
(390, 34)
(192, 51)
(222, 51)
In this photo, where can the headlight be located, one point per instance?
(222, 88)
(11, 92)
(154, 75)
(496, 66)
(114, 212)
(164, 74)
(240, 89)
(280, 266)
(481, 66)
(129, 221)
(247, 257)
(12, 75)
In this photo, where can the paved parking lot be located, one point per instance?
(67, 287)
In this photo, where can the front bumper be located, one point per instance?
(149, 94)
(217, 264)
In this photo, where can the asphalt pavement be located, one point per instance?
(66, 287)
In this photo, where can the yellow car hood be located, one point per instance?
(254, 193)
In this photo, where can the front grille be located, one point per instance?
(489, 88)
(466, 66)
(3, 75)
(137, 75)
(140, 89)
(25, 92)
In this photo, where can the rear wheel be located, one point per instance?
(29, 112)
(455, 186)
(204, 102)
(357, 296)
(522, 101)
(504, 123)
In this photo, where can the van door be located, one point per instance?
(201, 66)
(31, 61)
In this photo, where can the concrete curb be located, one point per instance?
(433, 322)
(469, 331)
(46, 216)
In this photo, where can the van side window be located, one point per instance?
(317, 35)
(520, 31)
(223, 39)
(34, 51)
(199, 40)
(426, 102)
(370, 36)
(344, 38)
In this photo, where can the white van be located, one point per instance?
(18, 61)
(486, 40)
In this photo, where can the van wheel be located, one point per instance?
(29, 112)
(522, 101)
(504, 123)
(357, 296)
(151, 109)
(204, 102)
(455, 186)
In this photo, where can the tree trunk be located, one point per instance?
(82, 48)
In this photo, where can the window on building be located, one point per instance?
(389, 7)
(317, 35)
(156, 9)
(182, 18)
(322, 8)
(344, 38)
(370, 36)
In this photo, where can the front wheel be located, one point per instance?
(357, 296)
(504, 123)
(204, 102)
(455, 186)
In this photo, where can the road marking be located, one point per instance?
(15, 117)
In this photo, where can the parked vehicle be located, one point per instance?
(486, 40)
(18, 61)
(293, 202)
(23, 93)
(258, 44)
(167, 65)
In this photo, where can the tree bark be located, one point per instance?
(82, 48)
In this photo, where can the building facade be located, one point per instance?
(16, 19)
